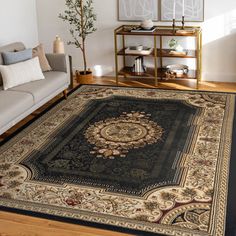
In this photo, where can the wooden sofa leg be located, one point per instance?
(65, 94)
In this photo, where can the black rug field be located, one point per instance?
(141, 161)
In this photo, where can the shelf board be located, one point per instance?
(150, 73)
(165, 53)
(122, 53)
(127, 71)
(160, 31)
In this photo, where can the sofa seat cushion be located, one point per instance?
(41, 89)
(13, 104)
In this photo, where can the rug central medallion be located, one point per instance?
(114, 137)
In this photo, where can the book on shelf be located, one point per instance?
(142, 30)
(143, 51)
(138, 66)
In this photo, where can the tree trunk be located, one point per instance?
(83, 39)
(84, 57)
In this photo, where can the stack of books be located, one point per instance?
(138, 66)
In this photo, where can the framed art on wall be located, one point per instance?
(137, 10)
(193, 10)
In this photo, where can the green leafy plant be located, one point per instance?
(173, 43)
(79, 14)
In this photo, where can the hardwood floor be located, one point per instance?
(20, 225)
(184, 85)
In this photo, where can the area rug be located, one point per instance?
(143, 161)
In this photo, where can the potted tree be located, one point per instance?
(79, 14)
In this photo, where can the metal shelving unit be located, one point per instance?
(158, 53)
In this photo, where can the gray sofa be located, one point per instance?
(20, 101)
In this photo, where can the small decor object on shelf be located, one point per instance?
(183, 13)
(81, 18)
(169, 75)
(147, 24)
(178, 69)
(174, 9)
(183, 22)
(58, 46)
(141, 30)
(179, 48)
(173, 43)
(138, 66)
(139, 50)
(129, 28)
(176, 48)
(179, 51)
(173, 26)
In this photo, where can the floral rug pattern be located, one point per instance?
(194, 205)
(114, 137)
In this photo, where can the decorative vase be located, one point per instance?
(82, 78)
(147, 24)
(58, 46)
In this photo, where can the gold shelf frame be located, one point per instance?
(161, 32)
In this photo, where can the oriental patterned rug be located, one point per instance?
(142, 161)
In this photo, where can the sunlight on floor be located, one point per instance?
(143, 84)
(208, 84)
(175, 86)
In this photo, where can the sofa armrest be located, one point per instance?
(63, 63)
(59, 62)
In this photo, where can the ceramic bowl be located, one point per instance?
(179, 69)
(147, 24)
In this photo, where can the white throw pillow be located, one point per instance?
(21, 73)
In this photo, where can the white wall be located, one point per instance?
(219, 36)
(219, 41)
(18, 22)
(100, 44)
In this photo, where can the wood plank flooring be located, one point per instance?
(20, 225)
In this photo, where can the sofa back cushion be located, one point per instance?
(40, 53)
(21, 73)
(18, 46)
(15, 57)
